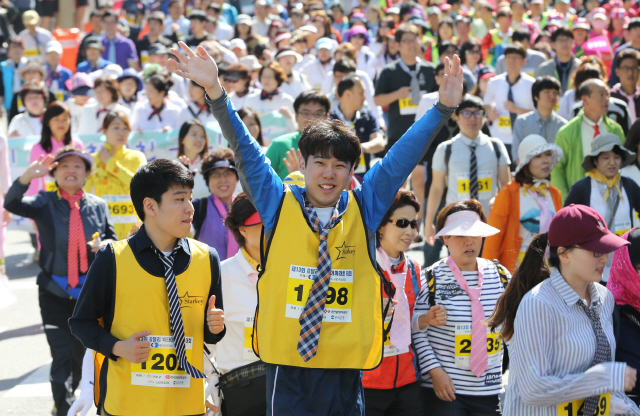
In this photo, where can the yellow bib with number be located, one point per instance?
(485, 183)
(504, 122)
(159, 386)
(248, 353)
(576, 407)
(31, 53)
(50, 184)
(121, 209)
(351, 334)
(463, 347)
(407, 106)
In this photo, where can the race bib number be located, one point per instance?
(144, 57)
(339, 296)
(463, 347)
(31, 53)
(485, 183)
(50, 184)
(162, 369)
(407, 106)
(576, 407)
(621, 227)
(504, 122)
(389, 349)
(248, 353)
(59, 96)
(121, 209)
(555, 108)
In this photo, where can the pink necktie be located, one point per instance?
(253, 277)
(401, 326)
(545, 212)
(479, 358)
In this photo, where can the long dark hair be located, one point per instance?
(184, 130)
(248, 112)
(469, 46)
(55, 109)
(633, 137)
(532, 271)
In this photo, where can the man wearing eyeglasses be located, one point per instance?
(471, 165)
(308, 106)
(627, 90)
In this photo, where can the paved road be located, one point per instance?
(24, 353)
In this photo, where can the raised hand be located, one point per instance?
(451, 85)
(291, 161)
(215, 317)
(200, 68)
(38, 169)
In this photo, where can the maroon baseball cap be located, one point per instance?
(580, 225)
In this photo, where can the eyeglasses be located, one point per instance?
(408, 41)
(596, 255)
(468, 113)
(474, 51)
(306, 114)
(358, 36)
(629, 69)
(564, 41)
(224, 174)
(404, 223)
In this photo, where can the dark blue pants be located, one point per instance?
(295, 391)
(401, 401)
(461, 406)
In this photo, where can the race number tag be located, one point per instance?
(121, 209)
(31, 53)
(463, 347)
(484, 183)
(339, 297)
(407, 107)
(59, 96)
(50, 184)
(504, 122)
(621, 227)
(576, 407)
(389, 349)
(162, 369)
(248, 353)
(144, 57)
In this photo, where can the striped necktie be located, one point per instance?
(313, 312)
(603, 351)
(473, 172)
(175, 316)
(512, 116)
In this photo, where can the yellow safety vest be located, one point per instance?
(159, 386)
(351, 333)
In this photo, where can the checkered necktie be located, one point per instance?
(473, 172)
(603, 352)
(313, 312)
(175, 316)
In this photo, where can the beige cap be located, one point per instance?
(30, 17)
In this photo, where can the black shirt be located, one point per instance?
(97, 297)
(144, 44)
(392, 78)
(193, 42)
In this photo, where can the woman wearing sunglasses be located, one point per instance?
(559, 326)
(392, 388)
(524, 208)
(461, 361)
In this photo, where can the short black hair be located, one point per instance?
(330, 138)
(469, 101)
(345, 65)
(442, 48)
(521, 35)
(154, 179)
(406, 28)
(635, 22)
(95, 13)
(515, 49)
(628, 53)
(561, 31)
(198, 14)
(347, 83)
(311, 96)
(440, 67)
(544, 83)
(108, 14)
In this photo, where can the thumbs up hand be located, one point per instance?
(215, 317)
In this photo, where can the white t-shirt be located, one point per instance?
(25, 125)
(457, 172)
(295, 85)
(90, 122)
(497, 94)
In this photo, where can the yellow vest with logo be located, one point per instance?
(159, 386)
(351, 332)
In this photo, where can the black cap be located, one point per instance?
(158, 49)
(635, 22)
(198, 14)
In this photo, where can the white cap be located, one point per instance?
(466, 224)
(309, 28)
(250, 62)
(393, 10)
(112, 70)
(53, 46)
(237, 43)
(533, 145)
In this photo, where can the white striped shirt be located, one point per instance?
(552, 349)
(435, 346)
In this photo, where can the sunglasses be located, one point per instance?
(404, 223)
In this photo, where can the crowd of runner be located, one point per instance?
(501, 139)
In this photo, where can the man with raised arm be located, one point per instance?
(319, 319)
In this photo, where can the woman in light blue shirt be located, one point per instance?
(558, 324)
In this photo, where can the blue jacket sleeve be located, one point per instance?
(261, 183)
(384, 179)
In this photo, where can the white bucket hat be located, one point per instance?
(533, 145)
(466, 224)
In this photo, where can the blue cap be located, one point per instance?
(131, 73)
(324, 43)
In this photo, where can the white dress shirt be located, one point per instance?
(140, 117)
(317, 73)
(90, 121)
(295, 85)
(587, 130)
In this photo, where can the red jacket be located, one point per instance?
(401, 369)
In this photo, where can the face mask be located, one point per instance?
(599, 24)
